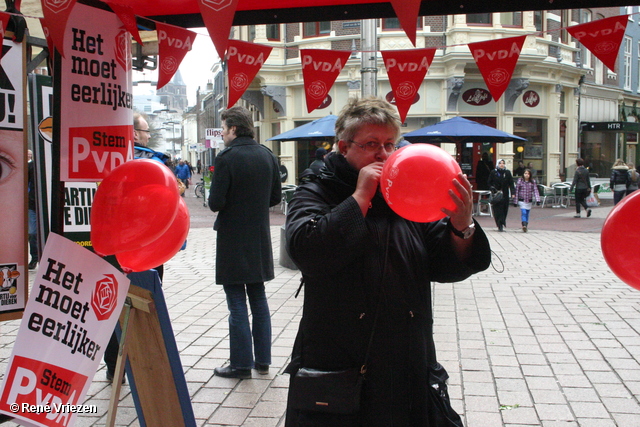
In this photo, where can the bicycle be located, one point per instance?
(199, 190)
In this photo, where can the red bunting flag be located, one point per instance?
(47, 36)
(406, 70)
(496, 60)
(218, 18)
(320, 69)
(602, 37)
(56, 14)
(173, 44)
(4, 21)
(244, 60)
(407, 13)
(127, 17)
(123, 49)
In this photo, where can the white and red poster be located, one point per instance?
(74, 304)
(244, 60)
(96, 129)
(496, 60)
(320, 69)
(406, 70)
(13, 171)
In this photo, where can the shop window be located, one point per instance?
(316, 29)
(479, 19)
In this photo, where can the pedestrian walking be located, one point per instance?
(367, 292)
(500, 180)
(526, 191)
(582, 184)
(245, 184)
(632, 185)
(183, 172)
(619, 180)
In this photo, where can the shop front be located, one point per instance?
(604, 142)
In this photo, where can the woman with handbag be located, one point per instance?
(526, 191)
(619, 180)
(501, 181)
(364, 354)
(582, 184)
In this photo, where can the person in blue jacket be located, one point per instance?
(183, 172)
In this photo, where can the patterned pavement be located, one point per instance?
(547, 336)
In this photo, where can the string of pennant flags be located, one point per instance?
(496, 59)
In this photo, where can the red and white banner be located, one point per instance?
(56, 14)
(127, 17)
(320, 69)
(73, 307)
(96, 129)
(173, 44)
(602, 37)
(218, 18)
(406, 70)
(407, 13)
(496, 60)
(4, 20)
(244, 60)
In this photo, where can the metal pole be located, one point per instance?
(369, 45)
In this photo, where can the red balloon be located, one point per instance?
(415, 182)
(619, 237)
(161, 250)
(133, 206)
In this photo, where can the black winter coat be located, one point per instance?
(348, 270)
(246, 182)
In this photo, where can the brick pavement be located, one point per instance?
(547, 337)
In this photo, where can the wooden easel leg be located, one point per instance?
(120, 364)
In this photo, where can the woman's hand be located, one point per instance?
(368, 181)
(460, 218)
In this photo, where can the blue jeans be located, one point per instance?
(240, 333)
(524, 215)
(33, 235)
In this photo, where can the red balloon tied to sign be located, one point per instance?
(619, 237)
(161, 250)
(415, 182)
(133, 206)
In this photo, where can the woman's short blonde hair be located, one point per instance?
(360, 112)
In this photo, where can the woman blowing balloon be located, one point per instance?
(367, 298)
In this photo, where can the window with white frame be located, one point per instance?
(627, 62)
(585, 16)
(638, 67)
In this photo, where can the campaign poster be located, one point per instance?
(13, 183)
(96, 100)
(73, 307)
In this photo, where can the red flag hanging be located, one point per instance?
(4, 21)
(602, 37)
(496, 60)
(47, 36)
(218, 18)
(56, 13)
(407, 13)
(127, 17)
(320, 69)
(244, 60)
(173, 44)
(406, 70)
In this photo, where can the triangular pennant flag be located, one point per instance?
(406, 70)
(47, 36)
(56, 13)
(127, 17)
(123, 49)
(218, 18)
(4, 21)
(173, 44)
(244, 60)
(602, 37)
(320, 69)
(496, 60)
(407, 13)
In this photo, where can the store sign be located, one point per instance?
(477, 96)
(391, 99)
(531, 98)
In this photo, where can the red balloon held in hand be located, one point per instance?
(161, 250)
(620, 234)
(416, 181)
(133, 206)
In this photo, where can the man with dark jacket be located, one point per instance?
(245, 184)
(582, 184)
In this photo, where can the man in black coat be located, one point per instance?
(246, 183)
